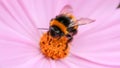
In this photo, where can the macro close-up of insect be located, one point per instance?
(54, 43)
(59, 33)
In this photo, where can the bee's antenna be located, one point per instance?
(43, 28)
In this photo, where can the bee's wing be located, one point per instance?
(67, 9)
(82, 21)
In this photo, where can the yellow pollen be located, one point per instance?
(55, 48)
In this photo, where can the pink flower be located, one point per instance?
(96, 45)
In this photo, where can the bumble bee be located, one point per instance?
(60, 26)
(65, 24)
(54, 43)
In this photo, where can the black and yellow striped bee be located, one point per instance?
(54, 43)
(65, 24)
(60, 26)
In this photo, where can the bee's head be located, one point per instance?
(55, 31)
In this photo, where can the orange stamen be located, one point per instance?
(54, 48)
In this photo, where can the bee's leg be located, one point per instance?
(47, 32)
(58, 37)
(69, 37)
(66, 46)
(47, 35)
(74, 31)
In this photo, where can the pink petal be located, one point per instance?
(45, 10)
(81, 62)
(14, 15)
(100, 25)
(36, 62)
(100, 45)
(32, 63)
(15, 49)
(100, 14)
(15, 54)
(18, 35)
(85, 8)
(61, 64)
(43, 63)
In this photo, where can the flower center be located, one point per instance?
(54, 48)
